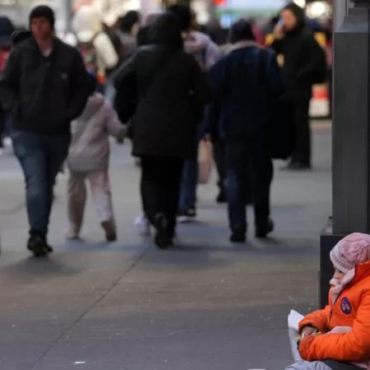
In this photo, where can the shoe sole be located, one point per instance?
(110, 232)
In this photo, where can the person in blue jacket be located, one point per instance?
(246, 84)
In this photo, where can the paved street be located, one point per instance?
(203, 305)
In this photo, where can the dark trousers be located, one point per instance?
(40, 157)
(160, 188)
(248, 167)
(302, 151)
(219, 154)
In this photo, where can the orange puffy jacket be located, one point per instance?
(352, 308)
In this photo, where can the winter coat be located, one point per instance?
(244, 92)
(44, 94)
(350, 309)
(301, 58)
(171, 88)
(203, 49)
(88, 27)
(89, 150)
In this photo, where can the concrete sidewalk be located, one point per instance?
(203, 305)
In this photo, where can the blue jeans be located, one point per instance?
(249, 168)
(189, 183)
(40, 157)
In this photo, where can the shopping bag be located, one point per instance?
(293, 324)
(205, 162)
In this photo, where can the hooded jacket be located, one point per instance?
(204, 50)
(89, 150)
(44, 94)
(301, 58)
(350, 309)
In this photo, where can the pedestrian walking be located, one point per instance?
(43, 87)
(88, 159)
(304, 65)
(206, 53)
(246, 88)
(171, 91)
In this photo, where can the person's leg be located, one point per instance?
(171, 187)
(301, 158)
(150, 188)
(29, 151)
(262, 172)
(236, 159)
(308, 365)
(2, 129)
(154, 172)
(56, 151)
(189, 183)
(102, 197)
(220, 160)
(76, 204)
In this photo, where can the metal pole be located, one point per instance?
(339, 12)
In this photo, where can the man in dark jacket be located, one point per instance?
(246, 84)
(44, 87)
(301, 60)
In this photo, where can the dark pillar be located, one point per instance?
(351, 128)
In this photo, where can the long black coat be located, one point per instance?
(171, 88)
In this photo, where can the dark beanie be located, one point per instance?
(241, 31)
(43, 11)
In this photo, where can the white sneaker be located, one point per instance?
(142, 226)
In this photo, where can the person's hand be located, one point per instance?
(278, 32)
(308, 331)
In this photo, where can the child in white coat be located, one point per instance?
(88, 159)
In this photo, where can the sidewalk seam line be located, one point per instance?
(92, 306)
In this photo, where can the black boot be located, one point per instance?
(238, 236)
(38, 246)
(262, 232)
(162, 239)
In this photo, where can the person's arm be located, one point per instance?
(213, 111)
(80, 89)
(126, 71)
(318, 319)
(106, 52)
(277, 46)
(200, 87)
(213, 54)
(314, 60)
(114, 126)
(353, 346)
(9, 82)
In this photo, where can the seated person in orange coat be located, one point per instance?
(338, 337)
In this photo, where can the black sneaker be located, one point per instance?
(262, 232)
(162, 239)
(38, 246)
(238, 237)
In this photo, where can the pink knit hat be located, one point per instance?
(350, 251)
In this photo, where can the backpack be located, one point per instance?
(4, 55)
(89, 56)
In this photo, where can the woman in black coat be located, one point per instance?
(171, 90)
